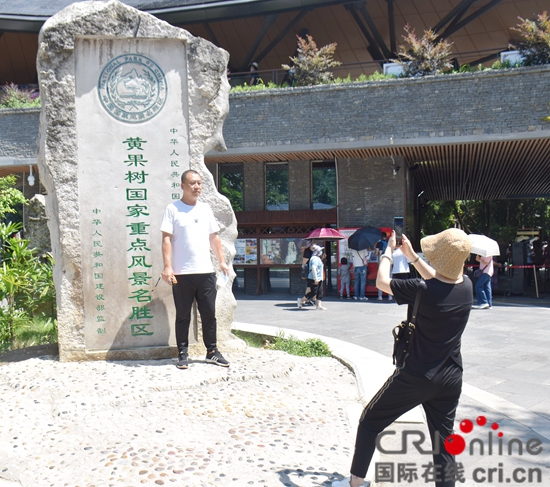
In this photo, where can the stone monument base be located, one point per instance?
(231, 345)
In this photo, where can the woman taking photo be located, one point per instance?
(431, 374)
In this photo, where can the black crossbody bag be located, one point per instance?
(403, 332)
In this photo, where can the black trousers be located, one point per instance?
(314, 289)
(201, 287)
(403, 391)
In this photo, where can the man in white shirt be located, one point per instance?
(189, 230)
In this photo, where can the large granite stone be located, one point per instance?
(128, 103)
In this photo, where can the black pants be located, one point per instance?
(201, 287)
(403, 391)
(314, 289)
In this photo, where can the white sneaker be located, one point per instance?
(299, 301)
(342, 483)
(346, 483)
(321, 308)
(354, 297)
(364, 299)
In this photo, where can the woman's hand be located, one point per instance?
(392, 242)
(407, 249)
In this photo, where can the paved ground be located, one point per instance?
(506, 359)
(274, 420)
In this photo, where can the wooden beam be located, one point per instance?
(268, 21)
(372, 47)
(457, 18)
(445, 20)
(379, 41)
(391, 22)
(281, 34)
(215, 41)
(474, 16)
(211, 34)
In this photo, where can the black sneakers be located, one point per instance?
(216, 358)
(183, 361)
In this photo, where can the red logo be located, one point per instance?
(455, 444)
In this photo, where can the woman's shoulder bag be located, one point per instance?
(403, 332)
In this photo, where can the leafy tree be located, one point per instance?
(10, 197)
(505, 217)
(276, 190)
(26, 282)
(312, 65)
(424, 56)
(232, 187)
(324, 186)
(535, 47)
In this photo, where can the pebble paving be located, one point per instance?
(271, 419)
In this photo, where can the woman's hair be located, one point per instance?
(343, 261)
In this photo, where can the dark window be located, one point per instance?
(231, 184)
(324, 185)
(276, 186)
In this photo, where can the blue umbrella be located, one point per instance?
(364, 238)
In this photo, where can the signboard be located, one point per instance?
(246, 251)
(283, 251)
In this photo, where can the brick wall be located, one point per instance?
(369, 193)
(18, 132)
(299, 185)
(254, 187)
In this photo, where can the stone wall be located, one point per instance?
(494, 102)
(18, 132)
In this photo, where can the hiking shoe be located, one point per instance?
(299, 301)
(215, 357)
(183, 361)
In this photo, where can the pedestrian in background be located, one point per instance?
(400, 267)
(360, 258)
(315, 279)
(484, 291)
(344, 271)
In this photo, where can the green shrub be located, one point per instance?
(423, 56)
(535, 47)
(13, 97)
(311, 347)
(312, 64)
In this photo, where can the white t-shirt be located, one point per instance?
(358, 257)
(190, 227)
(400, 262)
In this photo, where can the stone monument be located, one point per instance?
(129, 102)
